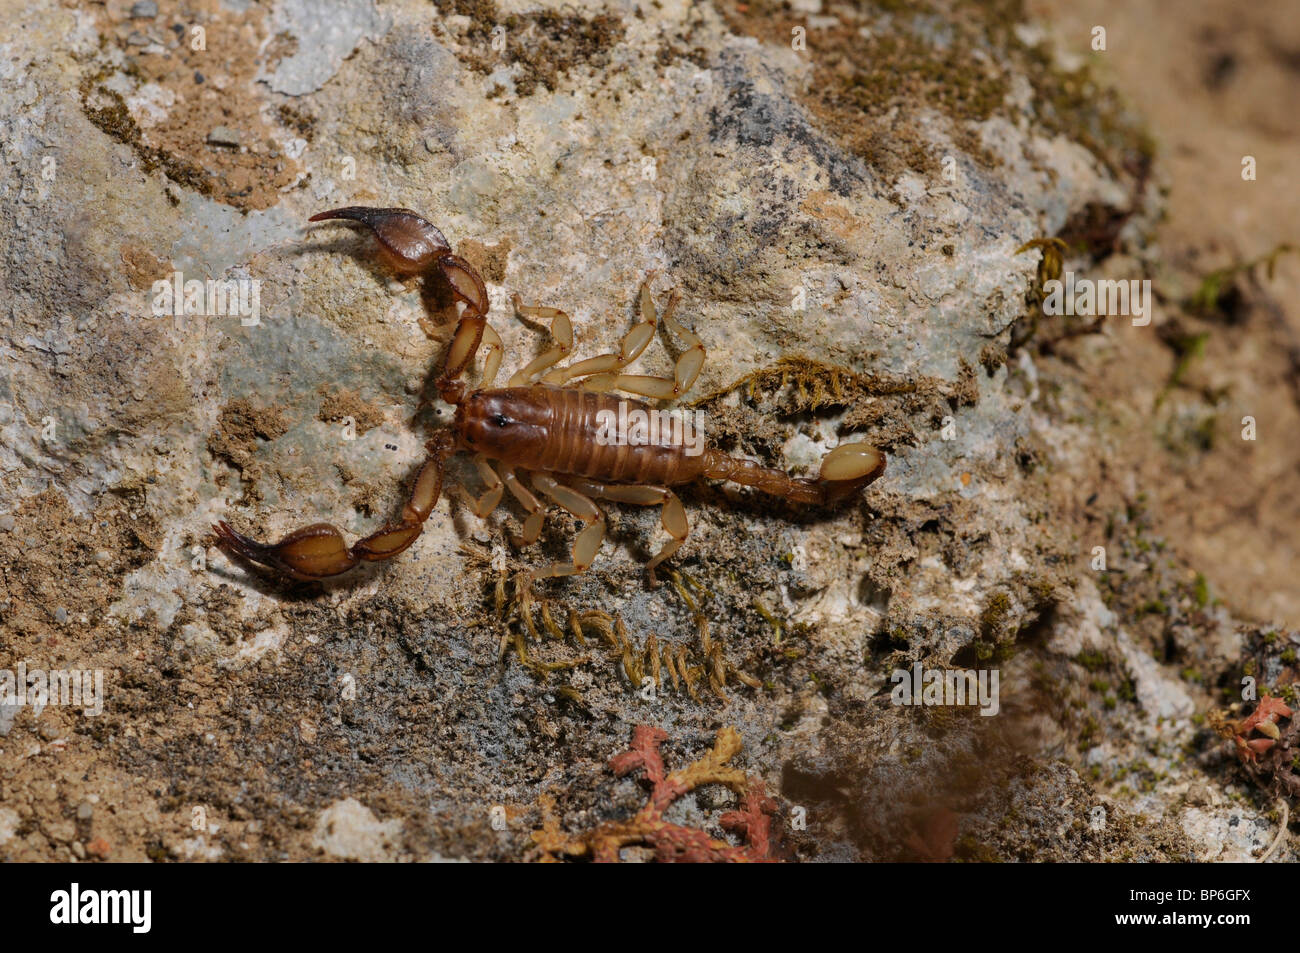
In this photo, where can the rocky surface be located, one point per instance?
(840, 209)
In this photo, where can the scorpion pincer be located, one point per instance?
(540, 437)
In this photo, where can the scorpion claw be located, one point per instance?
(409, 242)
(312, 552)
(412, 245)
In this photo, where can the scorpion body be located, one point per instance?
(539, 436)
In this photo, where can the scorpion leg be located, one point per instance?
(492, 360)
(318, 551)
(605, 367)
(672, 518)
(588, 542)
(561, 331)
(485, 504)
(536, 511)
(685, 371)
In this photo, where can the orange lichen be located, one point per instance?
(671, 843)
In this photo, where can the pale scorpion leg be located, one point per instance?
(603, 368)
(561, 331)
(685, 371)
(536, 511)
(672, 518)
(588, 542)
(485, 504)
(492, 358)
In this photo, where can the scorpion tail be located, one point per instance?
(844, 471)
(848, 468)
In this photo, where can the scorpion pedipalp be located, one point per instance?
(318, 551)
(409, 242)
(311, 552)
(412, 245)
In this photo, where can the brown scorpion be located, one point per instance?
(547, 430)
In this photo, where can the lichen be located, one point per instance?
(670, 842)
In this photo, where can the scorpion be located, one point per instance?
(546, 431)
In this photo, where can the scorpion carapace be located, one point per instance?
(546, 437)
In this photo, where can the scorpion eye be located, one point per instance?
(500, 419)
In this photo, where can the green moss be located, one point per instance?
(1201, 591)
(993, 618)
(1092, 661)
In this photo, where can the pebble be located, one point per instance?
(61, 832)
(222, 136)
(144, 9)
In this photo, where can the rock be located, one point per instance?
(221, 136)
(842, 225)
(9, 820)
(349, 830)
(61, 832)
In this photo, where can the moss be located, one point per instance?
(1153, 607)
(993, 617)
(1092, 661)
(878, 71)
(298, 121)
(1214, 295)
(1201, 591)
(107, 110)
(1088, 734)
